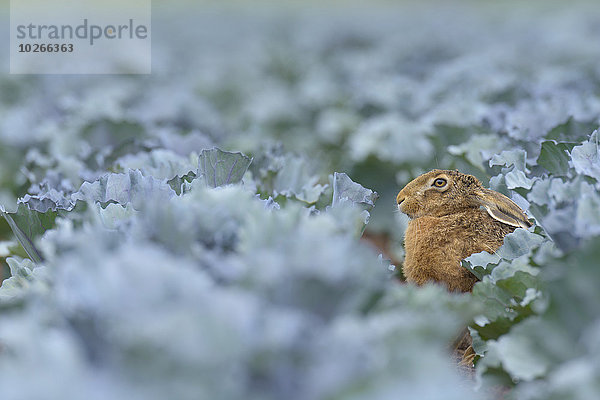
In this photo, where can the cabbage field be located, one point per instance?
(226, 227)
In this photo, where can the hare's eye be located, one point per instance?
(440, 182)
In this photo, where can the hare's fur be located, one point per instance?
(450, 223)
(435, 246)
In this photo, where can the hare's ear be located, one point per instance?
(502, 209)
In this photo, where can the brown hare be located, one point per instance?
(451, 217)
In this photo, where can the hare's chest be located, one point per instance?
(434, 249)
(435, 234)
(431, 241)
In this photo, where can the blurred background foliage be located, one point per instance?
(162, 268)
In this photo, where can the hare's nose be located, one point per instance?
(399, 199)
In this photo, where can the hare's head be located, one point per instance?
(439, 192)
